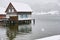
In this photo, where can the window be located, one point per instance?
(12, 10)
(21, 16)
(9, 10)
(24, 16)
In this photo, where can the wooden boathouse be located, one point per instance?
(18, 13)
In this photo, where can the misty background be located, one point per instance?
(37, 5)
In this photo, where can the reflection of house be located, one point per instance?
(18, 12)
(12, 31)
(24, 28)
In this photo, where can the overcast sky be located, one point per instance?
(36, 5)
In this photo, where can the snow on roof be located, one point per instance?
(20, 7)
(2, 10)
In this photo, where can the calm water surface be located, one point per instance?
(45, 26)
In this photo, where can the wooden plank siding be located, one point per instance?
(14, 18)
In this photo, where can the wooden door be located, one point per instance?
(14, 19)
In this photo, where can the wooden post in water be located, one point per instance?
(33, 21)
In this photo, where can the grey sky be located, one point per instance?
(36, 5)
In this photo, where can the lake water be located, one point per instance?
(45, 25)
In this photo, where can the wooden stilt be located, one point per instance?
(33, 21)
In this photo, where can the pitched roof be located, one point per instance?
(21, 7)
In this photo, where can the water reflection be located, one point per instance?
(24, 28)
(15, 29)
(12, 31)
